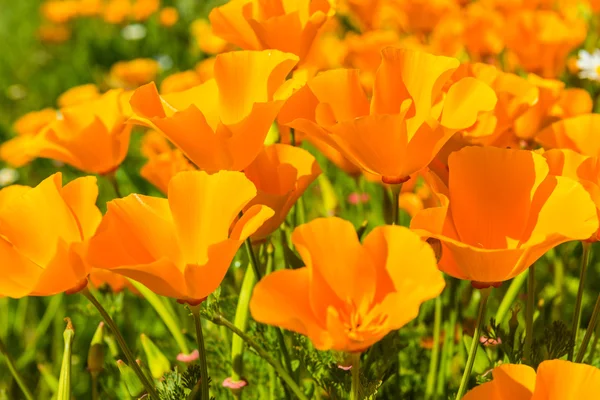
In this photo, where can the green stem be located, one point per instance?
(126, 351)
(283, 374)
(448, 348)
(241, 321)
(588, 333)
(201, 348)
(112, 178)
(435, 351)
(396, 189)
(164, 314)
(585, 258)
(559, 279)
(280, 338)
(594, 346)
(509, 297)
(95, 387)
(41, 329)
(355, 376)
(485, 293)
(529, 312)
(253, 259)
(14, 372)
(64, 380)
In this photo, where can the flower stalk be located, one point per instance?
(14, 371)
(204, 385)
(122, 344)
(355, 376)
(529, 312)
(485, 294)
(585, 260)
(588, 333)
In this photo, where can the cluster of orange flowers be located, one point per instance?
(404, 112)
(58, 13)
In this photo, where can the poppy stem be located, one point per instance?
(435, 351)
(204, 384)
(529, 312)
(112, 178)
(355, 376)
(588, 333)
(15, 373)
(585, 260)
(253, 259)
(149, 386)
(396, 189)
(283, 374)
(485, 293)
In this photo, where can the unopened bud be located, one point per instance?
(158, 363)
(95, 359)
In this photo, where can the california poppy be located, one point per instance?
(168, 16)
(542, 39)
(43, 234)
(289, 26)
(555, 380)
(182, 246)
(585, 169)
(406, 122)
(17, 151)
(555, 102)
(281, 174)
(206, 40)
(131, 74)
(516, 96)
(78, 94)
(221, 124)
(159, 169)
(498, 214)
(578, 133)
(180, 81)
(349, 295)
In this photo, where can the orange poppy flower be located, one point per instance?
(555, 102)
(221, 124)
(408, 119)
(54, 33)
(281, 174)
(90, 8)
(542, 39)
(43, 234)
(498, 214)
(516, 96)
(555, 380)
(33, 122)
(18, 151)
(366, 11)
(141, 10)
(349, 295)
(288, 26)
(206, 69)
(59, 11)
(180, 81)
(585, 169)
(116, 11)
(578, 133)
(179, 247)
(484, 31)
(161, 168)
(206, 40)
(154, 144)
(423, 15)
(168, 17)
(91, 136)
(78, 94)
(448, 36)
(135, 72)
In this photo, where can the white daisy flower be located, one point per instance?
(589, 64)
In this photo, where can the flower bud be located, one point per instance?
(158, 363)
(95, 359)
